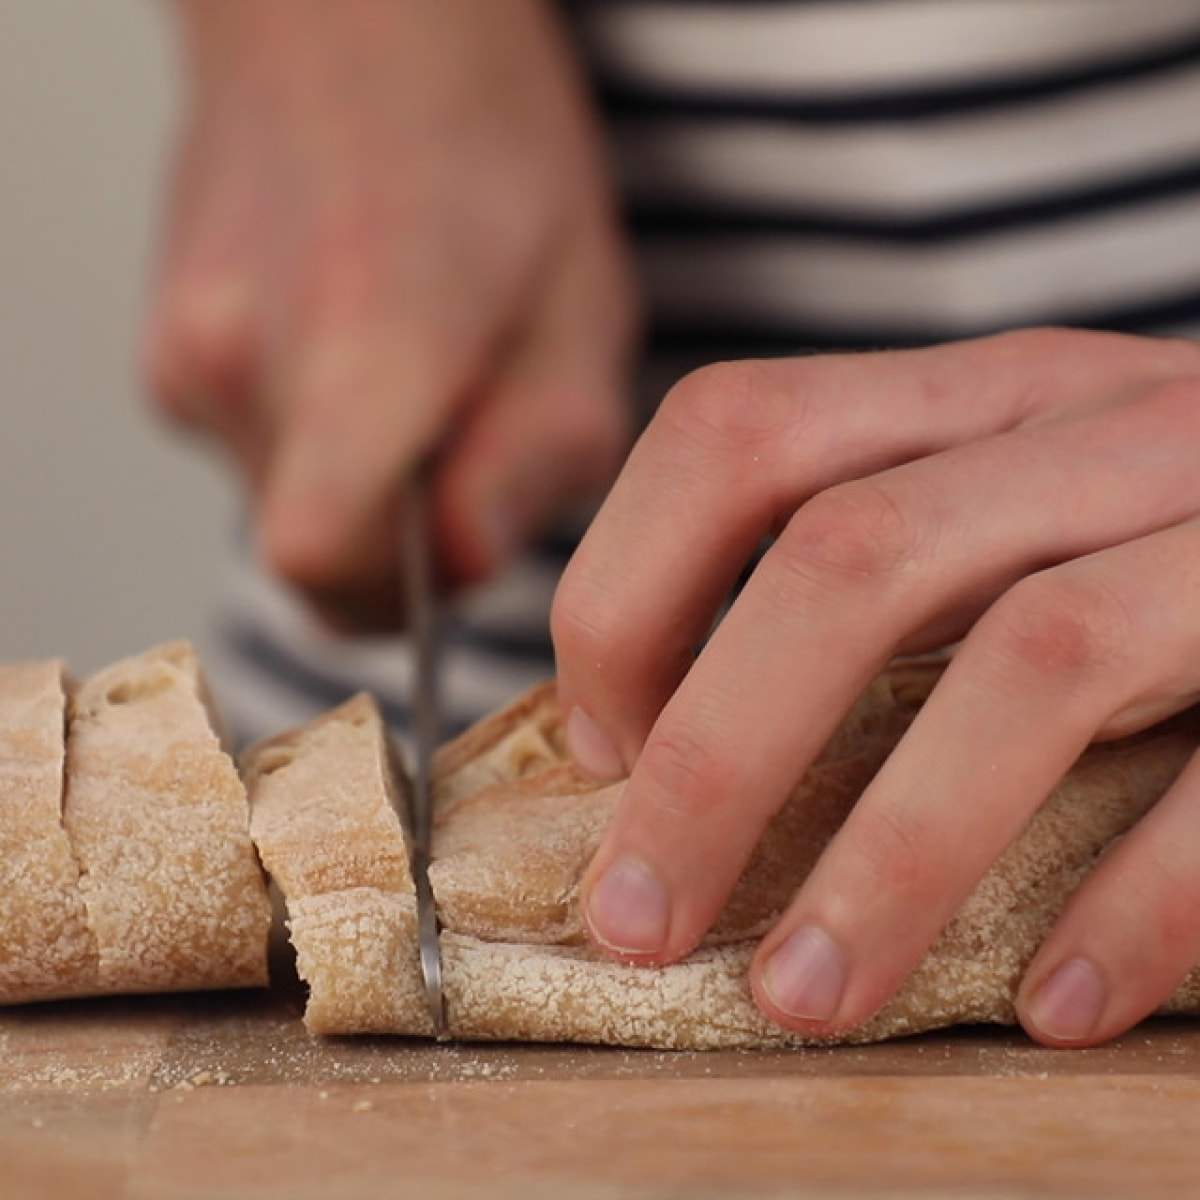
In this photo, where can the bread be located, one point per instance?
(323, 816)
(126, 865)
(516, 827)
(125, 852)
(521, 739)
(46, 947)
(158, 820)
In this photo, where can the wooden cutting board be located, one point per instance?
(226, 1096)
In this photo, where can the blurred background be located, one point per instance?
(111, 527)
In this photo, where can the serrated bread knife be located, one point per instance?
(421, 620)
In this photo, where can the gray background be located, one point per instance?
(111, 526)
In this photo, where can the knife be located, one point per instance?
(421, 618)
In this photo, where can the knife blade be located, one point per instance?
(421, 617)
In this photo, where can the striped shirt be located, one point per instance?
(826, 175)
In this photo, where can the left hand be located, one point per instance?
(1035, 494)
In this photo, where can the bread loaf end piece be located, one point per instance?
(323, 816)
(46, 948)
(158, 819)
(522, 739)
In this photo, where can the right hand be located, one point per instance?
(391, 233)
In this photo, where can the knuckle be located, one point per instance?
(1164, 892)
(341, 265)
(1183, 353)
(736, 406)
(584, 626)
(1175, 401)
(1172, 910)
(1136, 360)
(1060, 626)
(334, 377)
(853, 535)
(199, 346)
(344, 382)
(894, 847)
(689, 778)
(1047, 341)
(1032, 342)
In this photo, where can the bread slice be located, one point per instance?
(323, 816)
(509, 855)
(158, 821)
(46, 947)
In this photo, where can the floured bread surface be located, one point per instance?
(323, 816)
(504, 987)
(517, 828)
(508, 862)
(323, 805)
(158, 820)
(356, 950)
(46, 948)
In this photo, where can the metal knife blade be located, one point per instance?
(421, 615)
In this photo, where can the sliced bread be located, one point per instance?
(46, 947)
(158, 820)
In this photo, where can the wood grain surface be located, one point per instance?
(226, 1096)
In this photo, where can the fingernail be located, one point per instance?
(1068, 1005)
(628, 910)
(591, 748)
(806, 976)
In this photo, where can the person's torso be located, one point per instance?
(865, 173)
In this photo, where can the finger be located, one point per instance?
(1132, 931)
(356, 414)
(1129, 936)
(200, 341)
(737, 448)
(1052, 662)
(554, 422)
(851, 576)
(544, 438)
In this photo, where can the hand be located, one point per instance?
(390, 232)
(1036, 494)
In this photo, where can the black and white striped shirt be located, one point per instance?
(830, 175)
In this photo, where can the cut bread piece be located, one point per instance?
(509, 855)
(46, 947)
(158, 820)
(524, 738)
(323, 816)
